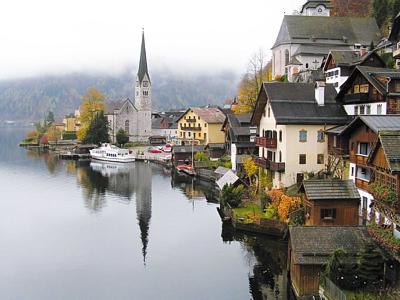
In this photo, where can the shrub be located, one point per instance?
(69, 135)
(232, 195)
(271, 212)
(122, 137)
(201, 156)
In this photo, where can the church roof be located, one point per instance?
(143, 62)
(111, 106)
(333, 31)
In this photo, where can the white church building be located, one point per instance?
(133, 117)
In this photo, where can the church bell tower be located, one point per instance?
(143, 95)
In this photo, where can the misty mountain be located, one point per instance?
(29, 99)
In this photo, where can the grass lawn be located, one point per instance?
(249, 212)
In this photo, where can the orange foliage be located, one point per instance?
(44, 139)
(287, 205)
(276, 196)
(31, 134)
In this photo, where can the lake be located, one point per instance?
(90, 230)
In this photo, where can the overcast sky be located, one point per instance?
(61, 36)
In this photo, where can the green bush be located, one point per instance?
(232, 195)
(201, 156)
(272, 212)
(122, 137)
(69, 135)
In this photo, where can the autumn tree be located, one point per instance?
(288, 205)
(259, 70)
(92, 104)
(53, 133)
(250, 168)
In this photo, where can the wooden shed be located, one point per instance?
(331, 202)
(310, 248)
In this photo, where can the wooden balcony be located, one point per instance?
(262, 162)
(360, 97)
(266, 142)
(277, 166)
(187, 128)
(362, 184)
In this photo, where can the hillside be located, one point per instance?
(29, 99)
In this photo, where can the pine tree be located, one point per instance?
(97, 132)
(370, 266)
(122, 137)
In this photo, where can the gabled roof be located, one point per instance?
(294, 62)
(143, 62)
(376, 123)
(390, 143)
(210, 115)
(313, 245)
(330, 189)
(349, 58)
(334, 31)
(372, 75)
(187, 149)
(295, 103)
(112, 106)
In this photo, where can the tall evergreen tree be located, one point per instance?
(381, 11)
(370, 267)
(98, 130)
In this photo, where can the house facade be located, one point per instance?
(240, 138)
(291, 120)
(164, 124)
(133, 118)
(371, 91)
(201, 126)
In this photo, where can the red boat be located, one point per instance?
(187, 169)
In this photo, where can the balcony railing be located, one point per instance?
(270, 165)
(190, 120)
(188, 128)
(266, 142)
(362, 184)
(360, 97)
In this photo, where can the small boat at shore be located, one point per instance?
(187, 169)
(108, 152)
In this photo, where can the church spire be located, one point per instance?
(143, 61)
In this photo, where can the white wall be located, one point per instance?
(349, 108)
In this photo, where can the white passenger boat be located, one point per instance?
(112, 153)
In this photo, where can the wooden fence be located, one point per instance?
(332, 291)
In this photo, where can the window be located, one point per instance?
(328, 213)
(189, 134)
(205, 124)
(355, 110)
(205, 136)
(320, 136)
(356, 89)
(379, 109)
(362, 110)
(306, 65)
(320, 159)
(269, 112)
(302, 159)
(352, 171)
(194, 135)
(368, 109)
(364, 202)
(127, 127)
(397, 86)
(303, 136)
(199, 134)
(280, 156)
(280, 135)
(363, 149)
(364, 88)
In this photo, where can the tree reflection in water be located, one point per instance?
(268, 279)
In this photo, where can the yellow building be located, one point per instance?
(201, 125)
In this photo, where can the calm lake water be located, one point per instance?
(73, 230)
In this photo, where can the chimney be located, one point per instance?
(320, 92)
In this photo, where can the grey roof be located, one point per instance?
(228, 178)
(376, 123)
(313, 245)
(316, 49)
(294, 103)
(334, 31)
(143, 62)
(156, 123)
(294, 62)
(351, 58)
(221, 170)
(336, 129)
(211, 115)
(390, 141)
(111, 106)
(330, 189)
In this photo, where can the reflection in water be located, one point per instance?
(268, 279)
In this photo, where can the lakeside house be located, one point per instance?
(164, 124)
(291, 120)
(310, 248)
(353, 143)
(330, 202)
(371, 91)
(240, 138)
(340, 64)
(201, 126)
